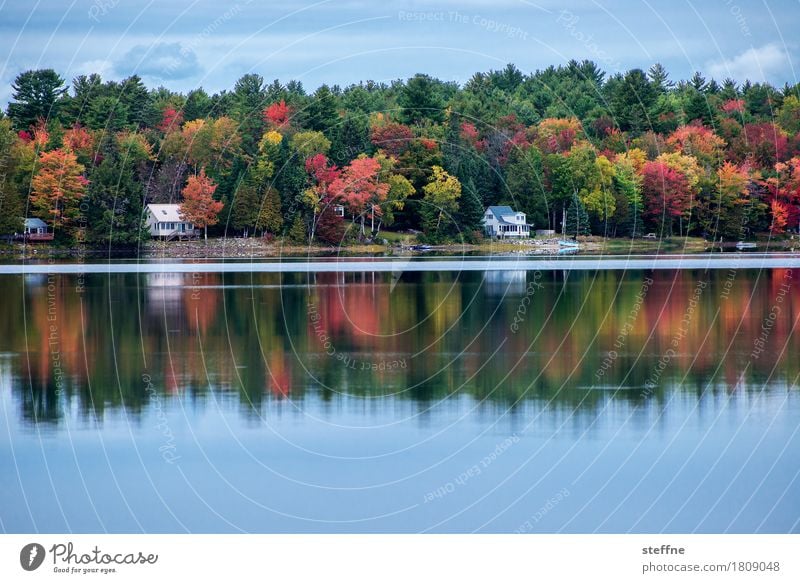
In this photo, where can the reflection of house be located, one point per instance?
(502, 283)
(504, 222)
(164, 220)
(165, 291)
(36, 230)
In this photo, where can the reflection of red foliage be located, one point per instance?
(201, 298)
(279, 375)
(351, 311)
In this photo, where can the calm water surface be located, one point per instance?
(398, 401)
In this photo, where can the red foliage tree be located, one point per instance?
(321, 170)
(78, 139)
(666, 195)
(171, 120)
(330, 226)
(392, 138)
(469, 133)
(764, 143)
(359, 189)
(784, 189)
(733, 106)
(199, 206)
(278, 114)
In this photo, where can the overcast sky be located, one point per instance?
(183, 44)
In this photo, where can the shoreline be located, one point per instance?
(257, 248)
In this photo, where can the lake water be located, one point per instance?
(514, 400)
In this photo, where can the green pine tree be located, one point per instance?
(577, 219)
(298, 232)
(470, 209)
(11, 200)
(270, 218)
(114, 199)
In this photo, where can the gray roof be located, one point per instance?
(35, 224)
(501, 210)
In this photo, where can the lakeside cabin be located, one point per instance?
(36, 230)
(504, 222)
(164, 221)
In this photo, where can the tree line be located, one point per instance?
(577, 150)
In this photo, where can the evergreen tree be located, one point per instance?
(322, 114)
(11, 200)
(75, 107)
(525, 181)
(298, 232)
(421, 100)
(135, 98)
(632, 99)
(577, 219)
(36, 94)
(244, 206)
(107, 113)
(249, 99)
(350, 139)
(114, 200)
(197, 106)
(470, 209)
(659, 78)
(270, 218)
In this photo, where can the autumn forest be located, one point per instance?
(580, 151)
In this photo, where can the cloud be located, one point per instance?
(164, 61)
(755, 64)
(103, 67)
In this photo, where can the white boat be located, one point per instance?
(743, 245)
(563, 243)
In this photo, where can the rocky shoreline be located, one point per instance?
(255, 247)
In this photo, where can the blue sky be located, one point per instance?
(183, 44)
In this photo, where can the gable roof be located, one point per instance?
(35, 224)
(166, 213)
(501, 210)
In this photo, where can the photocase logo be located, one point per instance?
(31, 556)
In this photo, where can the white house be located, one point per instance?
(504, 222)
(164, 220)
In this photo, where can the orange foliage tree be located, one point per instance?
(199, 206)
(58, 186)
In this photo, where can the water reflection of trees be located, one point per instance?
(431, 336)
